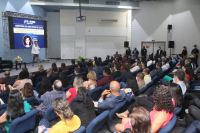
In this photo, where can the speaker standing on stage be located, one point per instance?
(144, 52)
(128, 52)
(195, 51)
(35, 52)
(184, 52)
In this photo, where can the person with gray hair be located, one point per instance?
(114, 97)
(140, 80)
(48, 97)
(8, 77)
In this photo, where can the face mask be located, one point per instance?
(158, 48)
(162, 63)
(136, 79)
(174, 80)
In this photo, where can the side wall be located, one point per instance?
(21, 6)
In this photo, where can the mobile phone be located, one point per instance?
(44, 129)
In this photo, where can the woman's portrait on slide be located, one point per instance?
(27, 41)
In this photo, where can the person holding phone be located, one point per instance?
(35, 52)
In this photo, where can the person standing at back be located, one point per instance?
(184, 52)
(135, 52)
(195, 51)
(159, 52)
(128, 52)
(144, 52)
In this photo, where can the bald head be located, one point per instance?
(57, 85)
(7, 73)
(114, 86)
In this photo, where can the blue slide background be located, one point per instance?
(18, 37)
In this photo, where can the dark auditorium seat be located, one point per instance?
(5, 64)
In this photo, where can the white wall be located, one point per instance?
(54, 34)
(91, 37)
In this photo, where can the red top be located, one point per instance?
(73, 94)
(103, 81)
(124, 58)
(188, 77)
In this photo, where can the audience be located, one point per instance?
(173, 59)
(53, 65)
(137, 67)
(71, 68)
(54, 75)
(64, 79)
(91, 83)
(131, 83)
(179, 78)
(98, 69)
(126, 70)
(48, 97)
(182, 60)
(188, 70)
(63, 68)
(45, 87)
(140, 122)
(158, 71)
(16, 107)
(116, 72)
(41, 72)
(49, 72)
(68, 123)
(140, 80)
(116, 96)
(71, 93)
(165, 66)
(77, 73)
(83, 107)
(19, 84)
(27, 91)
(4, 87)
(80, 65)
(147, 76)
(8, 77)
(106, 79)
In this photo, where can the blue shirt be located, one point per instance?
(113, 100)
(98, 70)
(174, 61)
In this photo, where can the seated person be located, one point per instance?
(160, 116)
(182, 60)
(173, 60)
(140, 121)
(188, 70)
(117, 72)
(137, 66)
(158, 71)
(126, 70)
(19, 84)
(55, 75)
(131, 83)
(26, 69)
(98, 69)
(64, 79)
(150, 61)
(68, 123)
(49, 72)
(45, 87)
(63, 68)
(8, 77)
(41, 72)
(77, 73)
(116, 96)
(48, 97)
(164, 66)
(140, 80)
(170, 61)
(106, 79)
(83, 107)
(21, 108)
(72, 92)
(71, 68)
(4, 87)
(80, 65)
(147, 76)
(27, 91)
(91, 83)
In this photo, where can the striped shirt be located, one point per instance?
(47, 99)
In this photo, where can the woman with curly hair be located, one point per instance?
(161, 114)
(83, 107)
(27, 91)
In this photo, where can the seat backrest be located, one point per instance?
(83, 73)
(70, 76)
(115, 110)
(72, 102)
(118, 79)
(142, 90)
(24, 123)
(80, 130)
(30, 100)
(67, 88)
(38, 86)
(106, 87)
(3, 106)
(169, 126)
(11, 83)
(125, 78)
(50, 113)
(95, 93)
(178, 110)
(39, 79)
(4, 96)
(98, 122)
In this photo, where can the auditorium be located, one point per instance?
(99, 66)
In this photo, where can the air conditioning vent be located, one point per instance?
(112, 3)
(108, 20)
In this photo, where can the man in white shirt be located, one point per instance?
(35, 52)
(179, 78)
(164, 66)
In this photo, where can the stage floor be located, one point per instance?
(35, 67)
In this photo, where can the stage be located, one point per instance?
(34, 68)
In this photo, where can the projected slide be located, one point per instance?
(26, 31)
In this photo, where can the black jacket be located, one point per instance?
(116, 74)
(38, 74)
(53, 77)
(156, 73)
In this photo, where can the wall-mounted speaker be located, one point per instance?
(169, 27)
(171, 44)
(126, 44)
